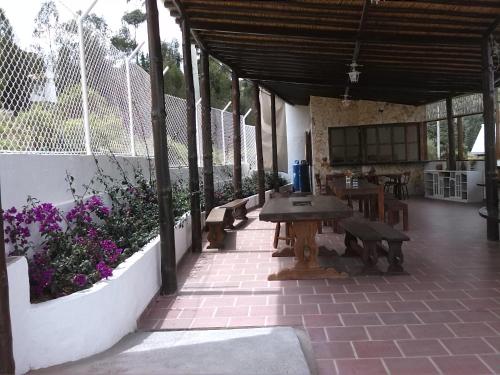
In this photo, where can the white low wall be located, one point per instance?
(90, 321)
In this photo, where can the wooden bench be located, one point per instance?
(216, 222)
(392, 208)
(371, 235)
(237, 211)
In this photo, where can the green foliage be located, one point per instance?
(123, 41)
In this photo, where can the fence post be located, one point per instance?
(83, 73)
(245, 148)
(129, 95)
(223, 135)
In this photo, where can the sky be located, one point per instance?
(21, 14)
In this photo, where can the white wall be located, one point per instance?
(298, 121)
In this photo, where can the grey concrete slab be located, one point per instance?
(273, 351)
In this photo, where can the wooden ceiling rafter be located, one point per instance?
(429, 45)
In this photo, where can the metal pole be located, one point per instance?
(245, 147)
(198, 132)
(163, 187)
(235, 93)
(7, 364)
(223, 133)
(129, 94)
(83, 73)
(258, 144)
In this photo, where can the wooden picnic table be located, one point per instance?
(303, 214)
(363, 189)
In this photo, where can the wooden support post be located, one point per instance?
(452, 157)
(490, 159)
(258, 145)
(274, 142)
(7, 364)
(460, 139)
(422, 134)
(194, 185)
(206, 134)
(235, 93)
(497, 95)
(167, 241)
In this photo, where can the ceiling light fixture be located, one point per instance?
(354, 74)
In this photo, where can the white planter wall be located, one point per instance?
(90, 321)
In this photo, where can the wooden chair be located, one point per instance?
(404, 185)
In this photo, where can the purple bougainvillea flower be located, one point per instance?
(80, 280)
(104, 270)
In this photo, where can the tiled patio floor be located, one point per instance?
(442, 318)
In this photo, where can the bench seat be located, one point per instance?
(216, 221)
(237, 209)
(371, 235)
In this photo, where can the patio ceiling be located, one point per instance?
(411, 52)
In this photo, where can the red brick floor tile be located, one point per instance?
(232, 311)
(291, 320)
(329, 289)
(449, 294)
(416, 296)
(476, 316)
(480, 303)
(410, 366)
(494, 342)
(333, 350)
(247, 321)
(421, 348)
(350, 297)
(469, 345)
(427, 331)
(461, 365)
(383, 296)
(408, 306)
(454, 285)
(482, 293)
(393, 287)
(285, 300)
(219, 301)
(471, 329)
(361, 367)
(437, 317)
(376, 349)
(360, 319)
(493, 361)
(447, 304)
(251, 300)
(356, 288)
(372, 307)
(336, 308)
(149, 324)
(293, 291)
(324, 320)
(399, 318)
(346, 333)
(209, 323)
(197, 313)
(316, 298)
(388, 332)
(424, 286)
(175, 323)
(301, 309)
(326, 367)
(317, 334)
(267, 310)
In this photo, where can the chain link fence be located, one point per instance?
(80, 95)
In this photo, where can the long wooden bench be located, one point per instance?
(216, 222)
(371, 235)
(237, 211)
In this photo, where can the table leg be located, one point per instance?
(380, 201)
(306, 255)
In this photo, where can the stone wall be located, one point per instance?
(330, 112)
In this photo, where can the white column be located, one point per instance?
(244, 127)
(223, 136)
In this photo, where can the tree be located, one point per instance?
(122, 41)
(20, 71)
(46, 24)
(134, 18)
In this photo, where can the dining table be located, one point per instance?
(303, 215)
(360, 189)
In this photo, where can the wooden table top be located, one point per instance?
(313, 207)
